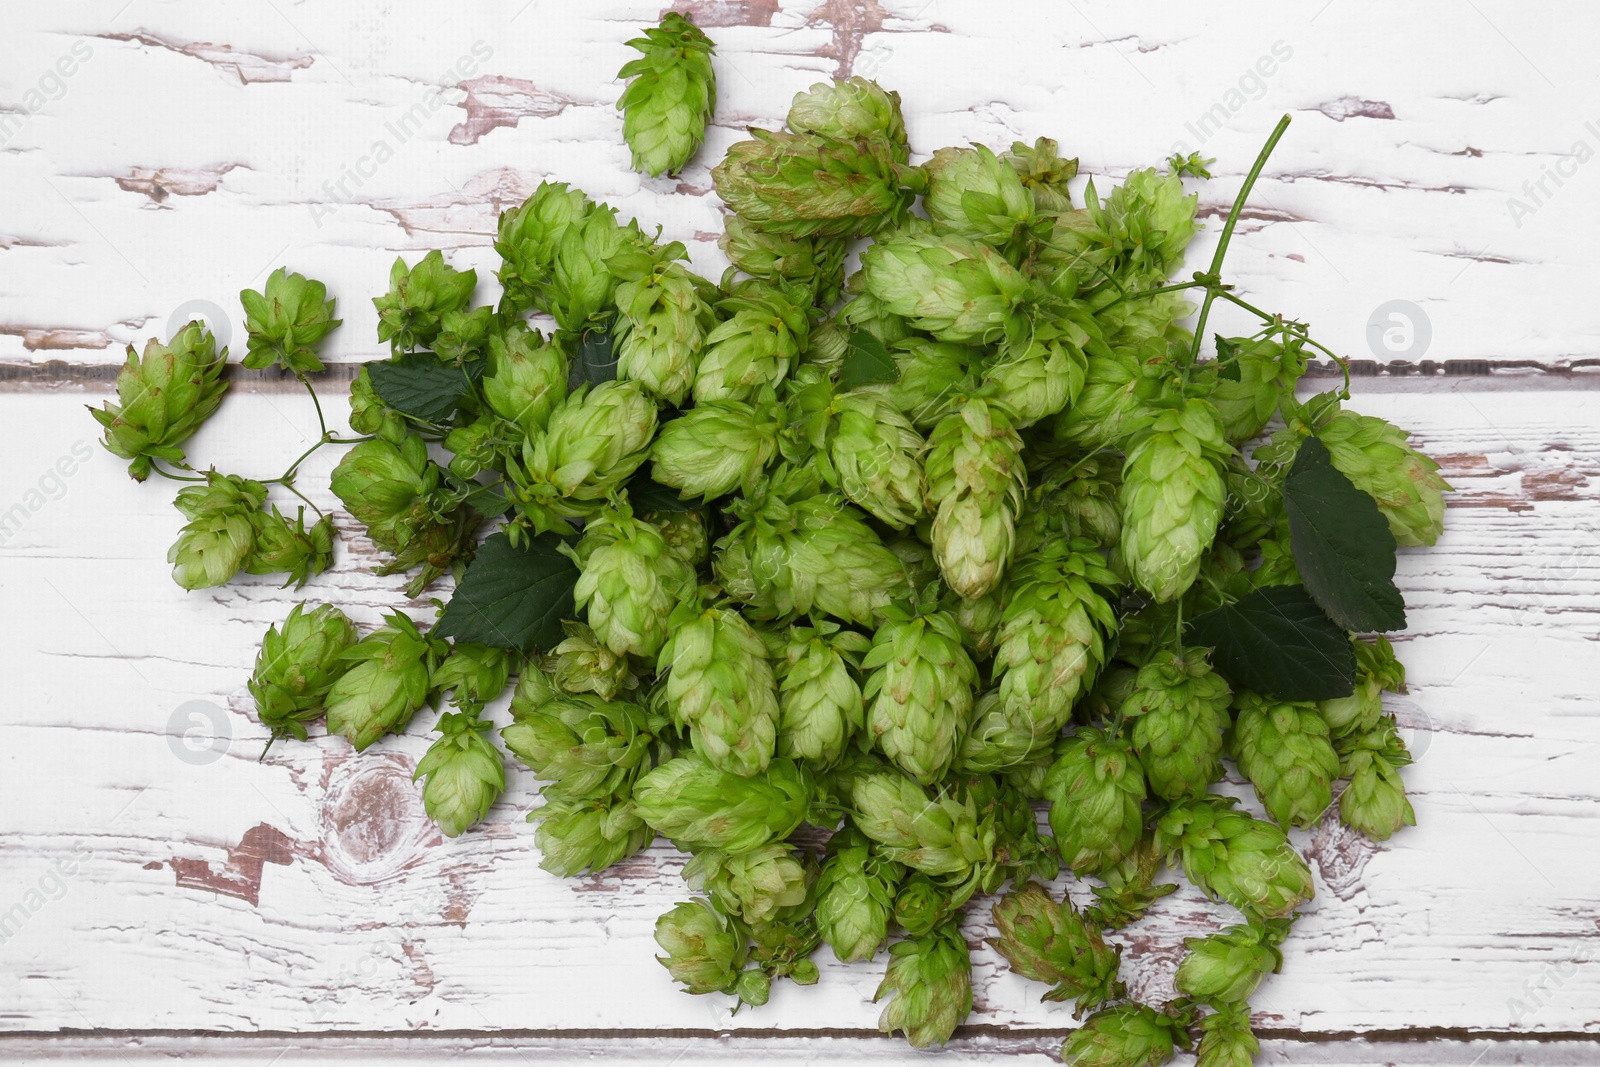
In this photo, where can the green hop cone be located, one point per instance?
(922, 904)
(685, 533)
(369, 415)
(1226, 1039)
(282, 547)
(930, 979)
(975, 194)
(1037, 379)
(163, 398)
(666, 106)
(1096, 787)
(584, 747)
(464, 335)
(1179, 710)
(720, 686)
(1374, 803)
(1051, 943)
(874, 450)
(704, 949)
(297, 665)
(630, 582)
(762, 333)
(1172, 497)
(814, 262)
(287, 322)
(1044, 173)
(820, 708)
(592, 445)
(715, 447)
(476, 672)
(581, 663)
(220, 536)
(1267, 371)
(662, 326)
(1130, 888)
(582, 282)
(465, 773)
(1377, 459)
(386, 682)
(1284, 749)
(937, 835)
(525, 377)
(386, 487)
(528, 237)
(978, 619)
(805, 185)
(1070, 501)
(1227, 966)
(410, 314)
(934, 378)
(1116, 404)
(848, 109)
(976, 480)
(578, 835)
(1377, 669)
(753, 886)
(1234, 857)
(1126, 1035)
(1133, 239)
(699, 806)
(855, 896)
(950, 286)
(919, 693)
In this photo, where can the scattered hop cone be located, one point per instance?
(1120, 388)
(287, 322)
(387, 487)
(1284, 749)
(1226, 1039)
(663, 322)
(525, 378)
(1127, 1035)
(848, 110)
(1051, 943)
(1172, 497)
(720, 686)
(975, 194)
(410, 314)
(584, 747)
(704, 949)
(592, 445)
(752, 886)
(715, 447)
(369, 415)
(684, 532)
(874, 454)
(582, 282)
(1130, 888)
(528, 237)
(819, 701)
(387, 681)
(1234, 857)
(952, 287)
(1376, 458)
(765, 330)
(464, 335)
(855, 896)
(666, 106)
(288, 548)
(937, 835)
(164, 397)
(814, 262)
(477, 673)
(976, 480)
(220, 535)
(1374, 803)
(630, 582)
(1377, 669)
(575, 836)
(922, 905)
(1136, 236)
(465, 773)
(814, 185)
(919, 693)
(1044, 173)
(930, 978)
(582, 664)
(1179, 710)
(296, 667)
(1227, 966)
(1096, 787)
(694, 803)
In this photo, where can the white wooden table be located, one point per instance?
(160, 157)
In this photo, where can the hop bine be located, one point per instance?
(297, 666)
(1234, 857)
(668, 103)
(1050, 942)
(930, 979)
(164, 397)
(1284, 749)
(1172, 497)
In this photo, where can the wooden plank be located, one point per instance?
(307, 891)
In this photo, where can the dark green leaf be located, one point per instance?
(1278, 642)
(867, 362)
(1342, 544)
(512, 597)
(1228, 356)
(417, 384)
(647, 495)
(595, 361)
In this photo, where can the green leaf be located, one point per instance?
(420, 386)
(512, 597)
(647, 495)
(1278, 642)
(595, 361)
(867, 362)
(1342, 544)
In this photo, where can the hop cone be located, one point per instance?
(296, 667)
(220, 535)
(287, 322)
(1096, 787)
(719, 684)
(715, 447)
(975, 485)
(919, 693)
(386, 682)
(594, 443)
(386, 488)
(849, 110)
(666, 106)
(370, 415)
(1130, 888)
(855, 896)
(1285, 751)
(1136, 236)
(1050, 942)
(1037, 379)
(930, 978)
(704, 949)
(975, 194)
(978, 618)
(525, 378)
(528, 238)
(1172, 496)
(164, 397)
(1069, 502)
(1234, 857)
(933, 378)
(575, 836)
(813, 185)
(1120, 388)
(814, 262)
(952, 287)
(1227, 966)
(697, 805)
(586, 748)
(753, 886)
(762, 335)
(1127, 1035)
(663, 323)
(476, 672)
(1267, 370)
(922, 905)
(1226, 1039)
(1376, 458)
(1377, 669)
(1375, 801)
(938, 835)
(820, 703)
(464, 771)
(411, 313)
(1179, 710)
(630, 582)
(582, 664)
(874, 453)
(282, 547)
(1044, 173)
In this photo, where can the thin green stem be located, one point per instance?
(288, 475)
(1264, 316)
(307, 499)
(321, 422)
(176, 477)
(351, 440)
